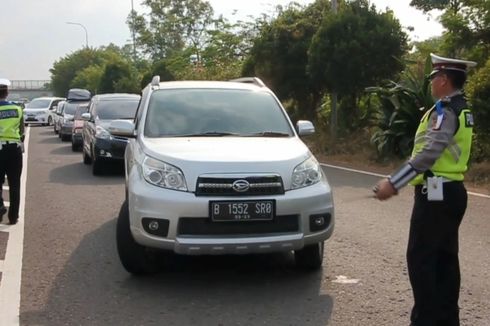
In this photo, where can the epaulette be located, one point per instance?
(457, 104)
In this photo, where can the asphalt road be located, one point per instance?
(71, 274)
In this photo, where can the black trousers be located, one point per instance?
(11, 165)
(432, 256)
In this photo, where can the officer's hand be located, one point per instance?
(384, 190)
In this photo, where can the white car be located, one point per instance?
(218, 168)
(40, 110)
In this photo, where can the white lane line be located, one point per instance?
(12, 265)
(6, 203)
(476, 194)
(353, 170)
(5, 188)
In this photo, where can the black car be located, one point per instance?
(99, 146)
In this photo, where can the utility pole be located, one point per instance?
(132, 31)
(333, 113)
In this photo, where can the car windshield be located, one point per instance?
(80, 110)
(215, 113)
(117, 109)
(38, 104)
(71, 108)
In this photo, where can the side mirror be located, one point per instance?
(54, 108)
(123, 128)
(305, 128)
(86, 116)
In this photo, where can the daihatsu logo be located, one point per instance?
(241, 185)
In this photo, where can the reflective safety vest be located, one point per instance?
(453, 162)
(10, 120)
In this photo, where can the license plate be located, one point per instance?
(250, 210)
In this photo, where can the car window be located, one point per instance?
(117, 109)
(71, 108)
(80, 110)
(180, 112)
(38, 104)
(54, 103)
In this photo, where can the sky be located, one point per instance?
(34, 33)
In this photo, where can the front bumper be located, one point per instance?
(174, 209)
(36, 119)
(66, 128)
(76, 137)
(112, 148)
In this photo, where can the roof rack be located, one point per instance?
(249, 80)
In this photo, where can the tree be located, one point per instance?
(344, 41)
(119, 77)
(467, 23)
(65, 70)
(279, 55)
(478, 89)
(171, 26)
(354, 49)
(88, 68)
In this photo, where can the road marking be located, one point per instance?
(476, 194)
(341, 279)
(6, 188)
(12, 265)
(6, 203)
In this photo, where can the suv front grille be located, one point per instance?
(191, 226)
(248, 186)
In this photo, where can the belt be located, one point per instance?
(9, 142)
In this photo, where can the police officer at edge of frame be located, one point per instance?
(436, 169)
(11, 138)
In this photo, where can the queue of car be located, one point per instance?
(83, 119)
(211, 168)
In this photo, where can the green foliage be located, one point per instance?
(119, 77)
(98, 70)
(428, 5)
(280, 54)
(171, 26)
(399, 113)
(336, 62)
(478, 90)
(65, 70)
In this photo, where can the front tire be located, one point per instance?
(50, 121)
(310, 257)
(135, 258)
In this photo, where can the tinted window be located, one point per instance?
(180, 112)
(71, 108)
(81, 110)
(38, 104)
(116, 109)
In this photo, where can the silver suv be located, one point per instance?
(218, 168)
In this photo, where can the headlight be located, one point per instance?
(101, 133)
(306, 174)
(163, 175)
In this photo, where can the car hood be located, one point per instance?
(229, 155)
(26, 111)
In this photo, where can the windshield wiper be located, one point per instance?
(210, 134)
(269, 134)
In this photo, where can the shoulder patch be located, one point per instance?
(437, 121)
(468, 118)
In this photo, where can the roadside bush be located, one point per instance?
(478, 90)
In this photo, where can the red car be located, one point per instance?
(76, 131)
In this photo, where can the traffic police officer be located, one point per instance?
(436, 169)
(11, 138)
